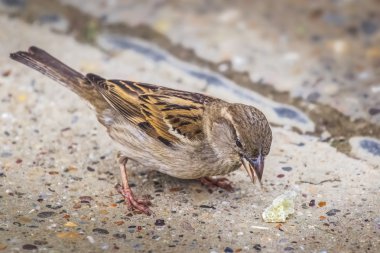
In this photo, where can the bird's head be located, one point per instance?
(242, 132)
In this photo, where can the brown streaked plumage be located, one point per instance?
(183, 134)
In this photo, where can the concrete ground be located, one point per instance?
(313, 68)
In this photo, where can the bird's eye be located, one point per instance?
(238, 143)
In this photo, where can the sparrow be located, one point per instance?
(183, 134)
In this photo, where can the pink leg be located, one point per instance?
(222, 182)
(124, 189)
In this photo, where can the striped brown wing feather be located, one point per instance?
(170, 116)
(177, 114)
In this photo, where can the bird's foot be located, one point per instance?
(222, 182)
(135, 204)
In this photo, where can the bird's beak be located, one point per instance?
(254, 166)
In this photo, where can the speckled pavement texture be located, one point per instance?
(313, 69)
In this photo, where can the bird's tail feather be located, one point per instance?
(50, 66)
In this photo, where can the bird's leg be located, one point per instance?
(222, 182)
(124, 189)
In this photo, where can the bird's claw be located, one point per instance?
(135, 204)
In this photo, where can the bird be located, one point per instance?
(183, 134)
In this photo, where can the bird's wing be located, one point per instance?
(168, 115)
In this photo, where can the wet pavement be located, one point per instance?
(313, 69)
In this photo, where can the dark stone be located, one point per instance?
(374, 111)
(287, 168)
(159, 222)
(312, 203)
(371, 146)
(45, 214)
(29, 247)
(368, 27)
(288, 248)
(206, 206)
(332, 212)
(257, 247)
(54, 207)
(228, 250)
(119, 236)
(100, 231)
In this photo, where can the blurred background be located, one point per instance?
(313, 67)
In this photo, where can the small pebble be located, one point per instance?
(206, 206)
(6, 73)
(85, 199)
(100, 231)
(156, 237)
(287, 168)
(160, 222)
(54, 207)
(374, 111)
(70, 224)
(228, 250)
(45, 214)
(68, 235)
(257, 247)
(29, 247)
(368, 27)
(332, 212)
(120, 236)
(91, 239)
(312, 203)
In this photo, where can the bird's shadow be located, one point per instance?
(160, 182)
